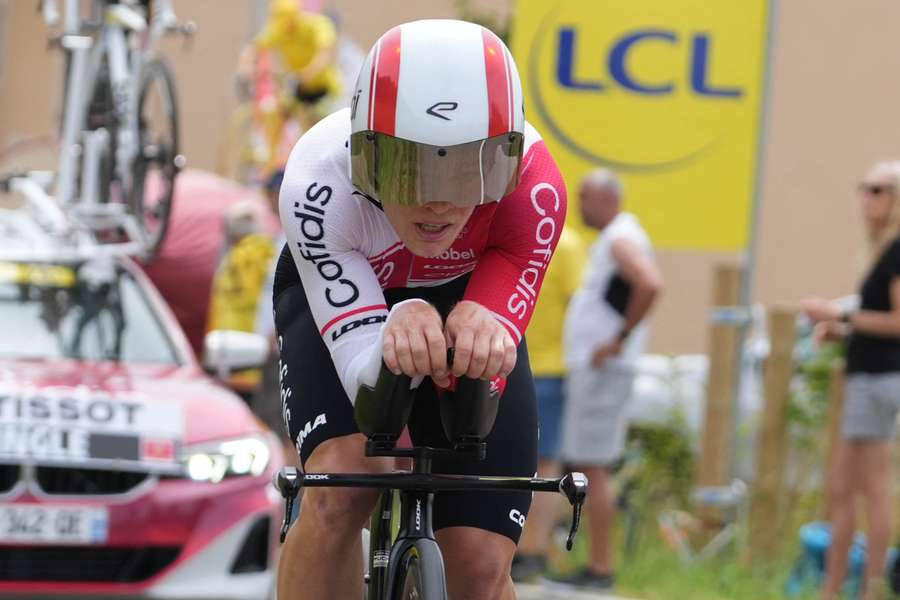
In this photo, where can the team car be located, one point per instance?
(125, 470)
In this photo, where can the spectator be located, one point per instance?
(238, 284)
(183, 270)
(872, 390)
(605, 333)
(305, 46)
(545, 350)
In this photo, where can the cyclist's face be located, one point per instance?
(430, 229)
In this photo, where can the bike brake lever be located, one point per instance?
(576, 520)
(287, 481)
(286, 521)
(574, 486)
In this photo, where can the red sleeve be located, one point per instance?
(523, 235)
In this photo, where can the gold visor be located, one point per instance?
(398, 171)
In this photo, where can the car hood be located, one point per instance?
(209, 410)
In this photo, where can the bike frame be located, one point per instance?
(120, 33)
(117, 25)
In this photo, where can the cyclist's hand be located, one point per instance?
(482, 346)
(414, 342)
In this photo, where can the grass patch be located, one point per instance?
(655, 571)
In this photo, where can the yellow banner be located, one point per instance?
(668, 93)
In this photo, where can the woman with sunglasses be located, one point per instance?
(872, 393)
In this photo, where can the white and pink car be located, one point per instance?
(125, 470)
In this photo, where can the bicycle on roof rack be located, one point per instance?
(410, 565)
(119, 152)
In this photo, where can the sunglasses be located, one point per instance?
(875, 189)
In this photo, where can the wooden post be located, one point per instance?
(713, 468)
(767, 499)
(835, 415)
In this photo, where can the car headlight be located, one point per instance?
(214, 461)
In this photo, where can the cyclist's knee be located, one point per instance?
(341, 508)
(476, 555)
(338, 509)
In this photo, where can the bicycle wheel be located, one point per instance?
(157, 161)
(420, 573)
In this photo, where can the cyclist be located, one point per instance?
(421, 218)
(305, 45)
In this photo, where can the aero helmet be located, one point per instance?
(437, 116)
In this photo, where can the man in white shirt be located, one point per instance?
(605, 333)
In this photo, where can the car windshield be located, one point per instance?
(87, 311)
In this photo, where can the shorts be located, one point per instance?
(871, 403)
(316, 409)
(595, 417)
(549, 392)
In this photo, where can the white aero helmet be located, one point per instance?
(437, 116)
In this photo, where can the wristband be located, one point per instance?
(845, 316)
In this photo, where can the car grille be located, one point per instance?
(77, 564)
(9, 475)
(69, 480)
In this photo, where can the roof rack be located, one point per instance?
(43, 229)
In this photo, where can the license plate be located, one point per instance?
(38, 523)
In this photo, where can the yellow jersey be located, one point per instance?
(544, 334)
(237, 284)
(298, 36)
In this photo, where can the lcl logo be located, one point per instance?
(699, 50)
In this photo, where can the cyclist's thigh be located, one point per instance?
(314, 404)
(511, 451)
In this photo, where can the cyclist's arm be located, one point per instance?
(524, 233)
(323, 226)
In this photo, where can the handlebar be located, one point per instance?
(288, 481)
(467, 414)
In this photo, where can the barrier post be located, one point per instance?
(767, 503)
(713, 468)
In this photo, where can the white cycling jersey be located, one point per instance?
(347, 252)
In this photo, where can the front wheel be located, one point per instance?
(420, 573)
(158, 160)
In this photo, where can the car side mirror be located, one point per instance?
(226, 350)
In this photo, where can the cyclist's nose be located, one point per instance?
(439, 208)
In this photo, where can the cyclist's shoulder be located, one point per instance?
(538, 172)
(322, 153)
(532, 136)
(316, 199)
(330, 133)
(537, 162)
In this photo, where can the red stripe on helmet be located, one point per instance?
(495, 70)
(371, 108)
(386, 79)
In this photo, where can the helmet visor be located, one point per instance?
(398, 171)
